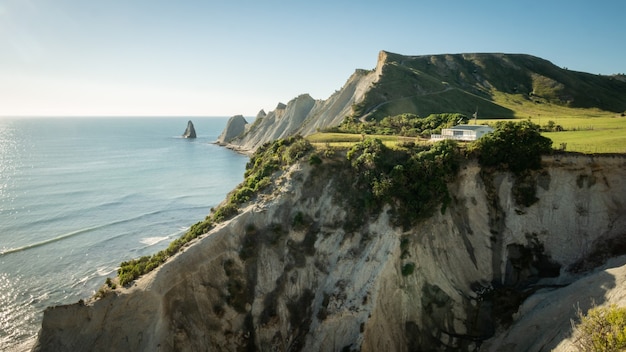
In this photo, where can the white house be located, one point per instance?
(463, 132)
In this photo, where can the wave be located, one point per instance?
(104, 271)
(51, 240)
(151, 241)
(74, 233)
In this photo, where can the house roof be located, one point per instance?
(470, 127)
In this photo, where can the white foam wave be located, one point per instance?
(151, 241)
(104, 271)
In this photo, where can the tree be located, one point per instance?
(513, 146)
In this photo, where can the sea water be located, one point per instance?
(80, 195)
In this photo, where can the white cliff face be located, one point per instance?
(304, 115)
(283, 122)
(293, 272)
(235, 126)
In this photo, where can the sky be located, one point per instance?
(224, 58)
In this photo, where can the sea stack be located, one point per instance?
(190, 132)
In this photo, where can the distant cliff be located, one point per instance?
(296, 271)
(459, 83)
(302, 115)
(235, 127)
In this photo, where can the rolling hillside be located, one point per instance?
(468, 82)
(500, 86)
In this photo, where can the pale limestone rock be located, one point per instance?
(235, 126)
(304, 115)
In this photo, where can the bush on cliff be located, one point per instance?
(413, 180)
(514, 146)
(602, 329)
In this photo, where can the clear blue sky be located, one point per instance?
(221, 58)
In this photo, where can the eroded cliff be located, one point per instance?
(304, 115)
(297, 269)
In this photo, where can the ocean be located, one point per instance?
(80, 195)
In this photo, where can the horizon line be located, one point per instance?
(118, 116)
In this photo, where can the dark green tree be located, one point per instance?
(516, 146)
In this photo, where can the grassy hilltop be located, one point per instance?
(497, 85)
(578, 111)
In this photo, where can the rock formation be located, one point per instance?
(190, 131)
(293, 272)
(305, 115)
(235, 126)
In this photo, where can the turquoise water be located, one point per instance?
(80, 195)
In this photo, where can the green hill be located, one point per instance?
(497, 85)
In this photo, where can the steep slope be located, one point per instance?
(466, 82)
(296, 269)
(303, 115)
(423, 85)
(235, 126)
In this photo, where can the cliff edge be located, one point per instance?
(294, 271)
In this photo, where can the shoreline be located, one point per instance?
(234, 148)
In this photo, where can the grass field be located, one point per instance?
(524, 108)
(586, 130)
(582, 134)
(346, 140)
(590, 142)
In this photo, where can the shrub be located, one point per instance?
(314, 159)
(409, 125)
(226, 212)
(297, 148)
(298, 220)
(602, 329)
(407, 269)
(513, 146)
(413, 181)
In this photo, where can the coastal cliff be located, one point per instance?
(303, 115)
(298, 269)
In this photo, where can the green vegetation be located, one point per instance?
(591, 141)
(590, 108)
(515, 146)
(409, 125)
(408, 269)
(426, 85)
(584, 130)
(413, 180)
(334, 140)
(602, 329)
(267, 160)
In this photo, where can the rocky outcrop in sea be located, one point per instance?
(190, 132)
